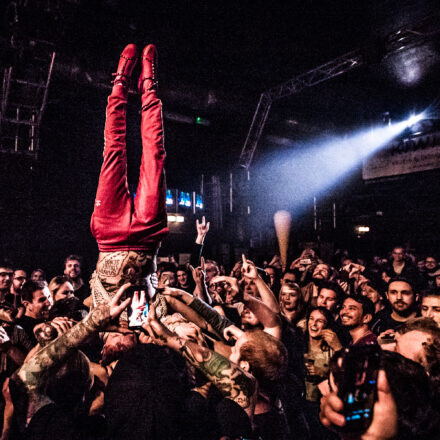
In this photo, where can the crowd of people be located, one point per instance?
(251, 353)
(161, 351)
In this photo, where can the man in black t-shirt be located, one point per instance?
(403, 302)
(37, 306)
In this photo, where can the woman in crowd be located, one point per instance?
(60, 288)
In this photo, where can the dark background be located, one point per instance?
(214, 61)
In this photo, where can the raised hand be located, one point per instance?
(249, 270)
(198, 273)
(202, 229)
(332, 339)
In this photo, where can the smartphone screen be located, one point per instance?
(139, 306)
(358, 389)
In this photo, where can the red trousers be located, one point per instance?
(118, 222)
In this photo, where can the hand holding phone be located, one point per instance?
(358, 387)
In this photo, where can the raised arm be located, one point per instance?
(229, 378)
(249, 271)
(198, 275)
(212, 318)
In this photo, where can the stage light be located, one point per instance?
(362, 229)
(311, 168)
(413, 119)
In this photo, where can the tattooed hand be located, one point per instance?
(158, 333)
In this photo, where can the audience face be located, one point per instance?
(65, 291)
(430, 264)
(182, 278)
(370, 293)
(289, 298)
(321, 272)
(398, 255)
(288, 278)
(37, 275)
(211, 271)
(351, 313)
(431, 308)
(72, 269)
(250, 287)
(39, 307)
(316, 324)
(235, 355)
(401, 297)
(6, 274)
(327, 298)
(18, 280)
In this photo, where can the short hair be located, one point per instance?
(213, 262)
(39, 270)
(430, 292)
(331, 285)
(166, 267)
(267, 357)
(366, 303)
(402, 280)
(28, 289)
(72, 257)
(6, 263)
(291, 271)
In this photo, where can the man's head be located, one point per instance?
(72, 266)
(38, 275)
(430, 264)
(182, 276)
(401, 296)
(272, 273)
(288, 278)
(431, 305)
(6, 275)
(398, 254)
(35, 299)
(262, 355)
(419, 340)
(330, 295)
(321, 272)
(356, 311)
(18, 279)
(211, 270)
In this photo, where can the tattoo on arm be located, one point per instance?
(232, 382)
(33, 371)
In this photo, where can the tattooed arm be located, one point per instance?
(210, 316)
(33, 372)
(229, 378)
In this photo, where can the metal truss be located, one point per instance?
(404, 38)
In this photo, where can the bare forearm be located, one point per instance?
(218, 323)
(267, 295)
(232, 382)
(265, 315)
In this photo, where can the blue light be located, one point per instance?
(199, 201)
(169, 197)
(184, 199)
(350, 399)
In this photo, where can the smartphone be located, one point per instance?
(358, 387)
(305, 261)
(139, 307)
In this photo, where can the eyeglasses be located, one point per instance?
(6, 274)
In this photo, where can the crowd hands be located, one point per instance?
(255, 353)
